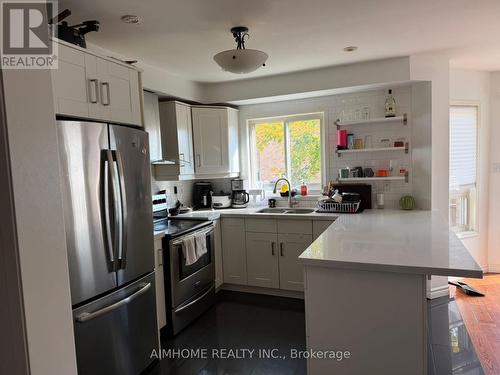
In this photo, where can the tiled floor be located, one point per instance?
(242, 321)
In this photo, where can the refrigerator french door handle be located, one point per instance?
(108, 161)
(122, 248)
(86, 316)
(116, 206)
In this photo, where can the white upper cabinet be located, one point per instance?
(185, 139)
(215, 138)
(70, 85)
(171, 139)
(90, 86)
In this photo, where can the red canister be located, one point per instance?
(342, 139)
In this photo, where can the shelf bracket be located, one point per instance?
(405, 119)
(407, 176)
(407, 147)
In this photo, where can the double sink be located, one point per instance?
(286, 211)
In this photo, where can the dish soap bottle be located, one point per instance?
(303, 189)
(390, 105)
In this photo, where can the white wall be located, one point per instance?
(494, 168)
(473, 87)
(40, 226)
(332, 107)
(434, 67)
(366, 73)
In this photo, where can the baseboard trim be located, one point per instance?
(440, 291)
(493, 268)
(267, 291)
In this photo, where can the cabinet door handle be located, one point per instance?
(272, 249)
(108, 94)
(93, 90)
(281, 248)
(181, 159)
(198, 157)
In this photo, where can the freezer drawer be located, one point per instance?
(116, 334)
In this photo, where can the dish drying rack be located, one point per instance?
(344, 207)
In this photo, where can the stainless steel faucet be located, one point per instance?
(290, 204)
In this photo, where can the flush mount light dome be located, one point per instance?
(241, 60)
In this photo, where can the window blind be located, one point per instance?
(463, 145)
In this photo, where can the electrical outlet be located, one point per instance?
(387, 187)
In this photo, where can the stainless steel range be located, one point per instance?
(189, 288)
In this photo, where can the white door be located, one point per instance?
(185, 138)
(70, 84)
(290, 269)
(234, 259)
(262, 259)
(210, 131)
(121, 93)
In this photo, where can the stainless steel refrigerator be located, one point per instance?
(109, 232)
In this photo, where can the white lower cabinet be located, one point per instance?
(219, 277)
(265, 252)
(262, 259)
(161, 314)
(234, 256)
(291, 272)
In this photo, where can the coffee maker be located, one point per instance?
(202, 195)
(240, 197)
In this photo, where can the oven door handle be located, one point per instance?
(205, 232)
(180, 309)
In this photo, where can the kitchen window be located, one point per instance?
(286, 146)
(463, 168)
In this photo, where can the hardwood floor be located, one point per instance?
(482, 319)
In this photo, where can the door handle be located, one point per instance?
(93, 84)
(272, 248)
(86, 316)
(180, 309)
(281, 248)
(117, 209)
(108, 94)
(122, 247)
(198, 157)
(107, 210)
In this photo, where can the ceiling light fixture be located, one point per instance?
(350, 49)
(241, 60)
(133, 19)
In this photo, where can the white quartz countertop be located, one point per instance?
(253, 212)
(418, 242)
(250, 212)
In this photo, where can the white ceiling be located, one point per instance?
(182, 36)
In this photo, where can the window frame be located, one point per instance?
(473, 230)
(286, 119)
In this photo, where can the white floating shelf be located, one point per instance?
(372, 179)
(402, 148)
(386, 120)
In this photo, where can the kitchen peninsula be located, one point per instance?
(365, 289)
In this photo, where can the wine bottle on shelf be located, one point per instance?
(390, 105)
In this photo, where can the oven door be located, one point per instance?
(188, 281)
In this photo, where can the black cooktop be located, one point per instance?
(178, 227)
